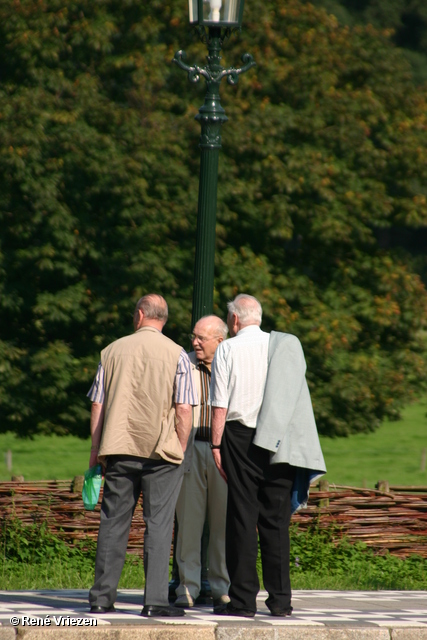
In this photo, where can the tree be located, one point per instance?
(406, 18)
(333, 156)
(325, 148)
(91, 215)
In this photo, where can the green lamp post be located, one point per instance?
(215, 20)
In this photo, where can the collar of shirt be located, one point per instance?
(250, 327)
(203, 365)
(148, 328)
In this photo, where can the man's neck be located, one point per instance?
(154, 324)
(245, 326)
(208, 365)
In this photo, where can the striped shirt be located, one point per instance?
(239, 372)
(203, 431)
(184, 389)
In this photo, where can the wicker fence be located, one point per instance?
(392, 518)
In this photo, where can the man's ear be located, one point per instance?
(139, 318)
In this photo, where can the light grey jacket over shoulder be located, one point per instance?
(286, 424)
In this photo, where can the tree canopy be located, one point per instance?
(406, 20)
(325, 149)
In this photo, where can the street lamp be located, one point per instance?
(211, 12)
(215, 20)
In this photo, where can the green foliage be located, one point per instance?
(330, 143)
(317, 552)
(34, 544)
(32, 558)
(325, 149)
(406, 18)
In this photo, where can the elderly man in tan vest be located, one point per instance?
(140, 423)
(204, 492)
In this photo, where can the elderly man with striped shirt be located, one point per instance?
(204, 492)
(140, 422)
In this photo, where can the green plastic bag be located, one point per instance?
(92, 487)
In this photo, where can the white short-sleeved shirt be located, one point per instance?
(239, 372)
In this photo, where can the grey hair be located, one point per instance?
(154, 306)
(221, 329)
(247, 308)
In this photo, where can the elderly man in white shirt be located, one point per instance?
(258, 493)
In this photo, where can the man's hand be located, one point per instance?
(217, 459)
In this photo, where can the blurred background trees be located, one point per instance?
(322, 210)
(406, 19)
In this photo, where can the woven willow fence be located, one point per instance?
(391, 518)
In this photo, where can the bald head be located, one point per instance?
(208, 332)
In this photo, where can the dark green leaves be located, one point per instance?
(324, 153)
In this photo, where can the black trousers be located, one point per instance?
(259, 497)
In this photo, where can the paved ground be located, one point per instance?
(322, 609)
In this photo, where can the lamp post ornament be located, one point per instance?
(214, 23)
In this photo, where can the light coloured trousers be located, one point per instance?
(203, 493)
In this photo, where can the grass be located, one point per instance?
(64, 573)
(44, 457)
(393, 452)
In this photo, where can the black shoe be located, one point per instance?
(219, 604)
(96, 609)
(153, 611)
(281, 613)
(230, 610)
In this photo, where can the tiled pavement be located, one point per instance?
(317, 614)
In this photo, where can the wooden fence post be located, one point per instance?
(423, 460)
(77, 484)
(324, 486)
(383, 485)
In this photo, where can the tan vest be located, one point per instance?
(139, 375)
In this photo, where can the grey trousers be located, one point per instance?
(125, 478)
(203, 493)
